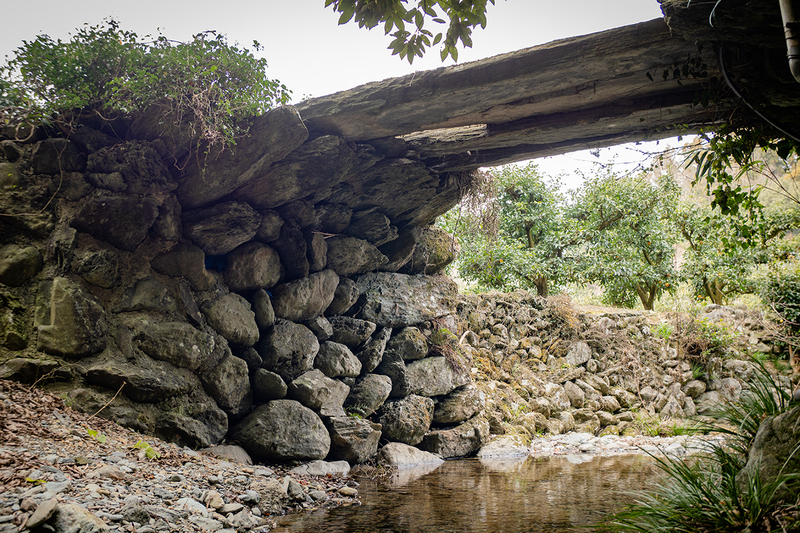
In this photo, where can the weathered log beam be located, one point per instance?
(551, 83)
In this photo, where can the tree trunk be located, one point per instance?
(542, 286)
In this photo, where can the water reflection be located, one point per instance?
(564, 493)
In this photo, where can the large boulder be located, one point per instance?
(288, 349)
(372, 352)
(368, 393)
(774, 452)
(353, 440)
(459, 441)
(305, 298)
(337, 361)
(398, 300)
(407, 419)
(18, 265)
(393, 366)
(345, 295)
(267, 386)
(318, 392)
(272, 136)
(185, 260)
(405, 456)
(434, 251)
(231, 316)
(220, 228)
(229, 385)
(146, 380)
(69, 321)
(117, 219)
(283, 430)
(349, 256)
(252, 266)
(408, 343)
(177, 343)
(318, 164)
(352, 332)
(373, 226)
(460, 405)
(135, 164)
(434, 376)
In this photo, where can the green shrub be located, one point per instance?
(780, 291)
(106, 72)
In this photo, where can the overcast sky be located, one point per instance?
(307, 50)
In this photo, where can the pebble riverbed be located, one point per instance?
(61, 469)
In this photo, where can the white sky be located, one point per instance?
(311, 54)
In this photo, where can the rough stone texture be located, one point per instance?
(272, 137)
(292, 248)
(345, 295)
(283, 430)
(68, 321)
(774, 450)
(229, 385)
(433, 376)
(352, 332)
(168, 224)
(135, 163)
(18, 265)
(262, 307)
(392, 365)
(53, 156)
(578, 354)
(267, 386)
(460, 405)
(148, 294)
(305, 298)
(317, 391)
(349, 256)
(372, 226)
(372, 352)
(368, 393)
(146, 380)
(185, 260)
(71, 517)
(575, 394)
(353, 440)
(317, 249)
(252, 266)
(401, 250)
(320, 326)
(288, 349)
(405, 456)
(459, 441)
(120, 220)
(398, 300)
(222, 227)
(177, 343)
(230, 315)
(317, 165)
(336, 360)
(408, 343)
(270, 228)
(406, 420)
(100, 268)
(435, 250)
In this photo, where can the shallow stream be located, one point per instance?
(559, 494)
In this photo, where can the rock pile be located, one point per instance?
(261, 295)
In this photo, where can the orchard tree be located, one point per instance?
(513, 233)
(410, 24)
(630, 240)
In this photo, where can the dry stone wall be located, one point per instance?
(268, 295)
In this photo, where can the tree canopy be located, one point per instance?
(410, 25)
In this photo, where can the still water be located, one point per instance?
(559, 494)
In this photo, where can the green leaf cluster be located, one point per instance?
(407, 24)
(108, 72)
